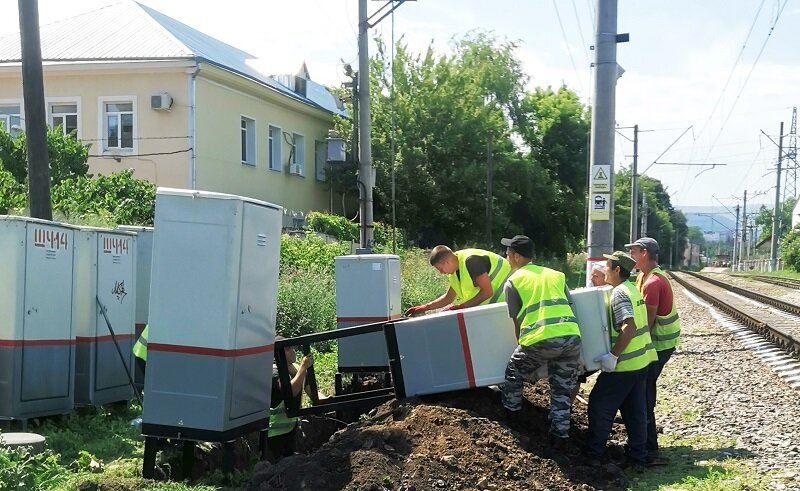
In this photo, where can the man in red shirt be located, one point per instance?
(662, 318)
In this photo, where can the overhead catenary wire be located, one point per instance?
(747, 79)
(566, 42)
(733, 69)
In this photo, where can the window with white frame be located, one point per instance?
(320, 159)
(118, 125)
(248, 129)
(65, 115)
(10, 118)
(275, 147)
(298, 155)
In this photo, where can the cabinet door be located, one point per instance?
(116, 288)
(258, 296)
(47, 325)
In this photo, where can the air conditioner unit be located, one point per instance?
(296, 169)
(161, 102)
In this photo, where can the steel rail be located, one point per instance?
(779, 304)
(786, 282)
(780, 337)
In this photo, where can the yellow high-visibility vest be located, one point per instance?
(546, 312)
(640, 351)
(667, 330)
(499, 271)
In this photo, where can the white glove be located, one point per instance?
(608, 362)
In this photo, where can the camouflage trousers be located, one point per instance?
(562, 357)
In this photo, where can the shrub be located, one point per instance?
(790, 249)
(306, 302)
(420, 283)
(13, 195)
(118, 198)
(343, 229)
(310, 253)
(20, 470)
(334, 225)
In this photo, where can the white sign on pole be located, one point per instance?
(601, 178)
(600, 206)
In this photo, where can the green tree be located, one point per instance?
(664, 223)
(13, 195)
(447, 108)
(763, 219)
(115, 199)
(68, 155)
(790, 249)
(695, 235)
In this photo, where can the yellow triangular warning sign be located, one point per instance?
(600, 176)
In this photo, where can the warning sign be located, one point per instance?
(601, 178)
(600, 206)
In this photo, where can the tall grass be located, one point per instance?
(420, 282)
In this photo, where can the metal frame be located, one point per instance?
(336, 402)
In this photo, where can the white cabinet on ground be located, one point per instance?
(213, 299)
(105, 269)
(36, 337)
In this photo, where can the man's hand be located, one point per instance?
(416, 310)
(307, 361)
(451, 307)
(608, 362)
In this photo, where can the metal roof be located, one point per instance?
(131, 31)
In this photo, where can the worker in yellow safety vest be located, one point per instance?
(622, 383)
(476, 278)
(140, 349)
(548, 335)
(665, 326)
(282, 428)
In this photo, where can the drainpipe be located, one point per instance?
(193, 128)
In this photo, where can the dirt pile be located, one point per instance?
(452, 441)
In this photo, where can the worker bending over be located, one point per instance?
(476, 278)
(548, 334)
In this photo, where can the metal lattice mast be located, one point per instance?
(790, 189)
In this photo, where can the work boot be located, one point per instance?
(511, 418)
(561, 450)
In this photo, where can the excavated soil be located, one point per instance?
(448, 441)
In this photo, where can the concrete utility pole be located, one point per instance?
(489, 183)
(776, 220)
(635, 186)
(365, 122)
(35, 118)
(644, 216)
(600, 234)
(744, 228)
(735, 238)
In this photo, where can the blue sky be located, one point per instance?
(680, 55)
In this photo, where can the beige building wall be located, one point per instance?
(162, 150)
(161, 138)
(222, 100)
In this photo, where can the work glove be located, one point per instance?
(416, 310)
(608, 362)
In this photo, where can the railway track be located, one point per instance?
(787, 282)
(774, 319)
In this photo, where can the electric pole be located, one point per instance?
(635, 186)
(644, 216)
(600, 233)
(735, 238)
(365, 121)
(35, 118)
(744, 228)
(773, 254)
(489, 179)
